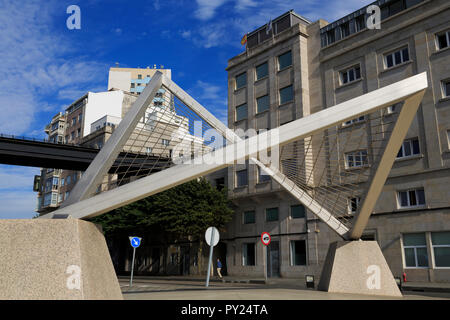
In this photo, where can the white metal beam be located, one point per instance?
(99, 167)
(278, 176)
(384, 166)
(295, 130)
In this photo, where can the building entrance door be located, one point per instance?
(273, 259)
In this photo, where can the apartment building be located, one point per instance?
(74, 124)
(162, 134)
(299, 67)
(48, 188)
(133, 80)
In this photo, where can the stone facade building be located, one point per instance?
(300, 67)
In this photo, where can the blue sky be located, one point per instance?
(45, 66)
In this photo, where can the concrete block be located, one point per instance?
(55, 259)
(357, 267)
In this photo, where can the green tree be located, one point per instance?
(184, 211)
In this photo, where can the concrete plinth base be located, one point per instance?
(55, 259)
(357, 267)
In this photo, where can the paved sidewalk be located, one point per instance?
(284, 282)
(426, 286)
(165, 289)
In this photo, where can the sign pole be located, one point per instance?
(132, 267)
(135, 242)
(265, 240)
(210, 257)
(265, 263)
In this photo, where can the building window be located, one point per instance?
(415, 248)
(356, 159)
(284, 60)
(263, 176)
(55, 183)
(443, 40)
(409, 148)
(47, 199)
(241, 80)
(353, 121)
(139, 76)
(60, 198)
(80, 117)
(72, 135)
(396, 57)
(360, 23)
(62, 182)
(249, 217)
(220, 183)
(78, 132)
(350, 75)
(133, 86)
(441, 249)
(241, 112)
(286, 95)
(68, 180)
(298, 253)
(66, 195)
(331, 37)
(392, 109)
(248, 254)
(262, 103)
(262, 71)
(74, 121)
(241, 178)
(298, 211)
(165, 142)
(54, 198)
(446, 88)
(353, 204)
(345, 29)
(271, 214)
(55, 126)
(411, 198)
(448, 139)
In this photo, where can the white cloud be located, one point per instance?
(156, 5)
(247, 15)
(213, 98)
(207, 8)
(185, 34)
(210, 92)
(245, 4)
(71, 95)
(34, 63)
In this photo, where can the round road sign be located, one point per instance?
(135, 241)
(208, 236)
(265, 238)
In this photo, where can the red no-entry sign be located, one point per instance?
(265, 238)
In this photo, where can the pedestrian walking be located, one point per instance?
(219, 267)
